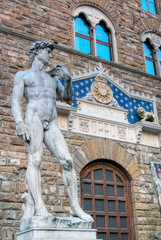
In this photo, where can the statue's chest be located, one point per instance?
(41, 80)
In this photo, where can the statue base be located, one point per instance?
(53, 228)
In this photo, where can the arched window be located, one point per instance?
(83, 35)
(150, 6)
(150, 58)
(152, 50)
(95, 33)
(103, 42)
(105, 195)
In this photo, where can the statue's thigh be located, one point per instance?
(55, 142)
(37, 134)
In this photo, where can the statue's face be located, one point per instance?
(44, 55)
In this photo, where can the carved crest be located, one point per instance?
(102, 92)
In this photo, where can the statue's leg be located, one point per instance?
(35, 150)
(55, 141)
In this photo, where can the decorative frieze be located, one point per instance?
(102, 107)
(105, 129)
(102, 111)
(145, 134)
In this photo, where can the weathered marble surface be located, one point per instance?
(41, 88)
(53, 222)
(46, 228)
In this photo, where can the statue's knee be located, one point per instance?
(35, 160)
(67, 164)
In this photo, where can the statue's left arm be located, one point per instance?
(64, 93)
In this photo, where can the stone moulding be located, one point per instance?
(154, 38)
(108, 150)
(139, 133)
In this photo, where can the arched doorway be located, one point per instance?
(106, 195)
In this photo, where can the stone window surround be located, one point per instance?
(155, 41)
(94, 16)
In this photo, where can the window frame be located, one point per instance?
(104, 43)
(154, 59)
(156, 7)
(126, 198)
(154, 40)
(94, 16)
(86, 37)
(93, 40)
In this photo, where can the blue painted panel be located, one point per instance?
(82, 87)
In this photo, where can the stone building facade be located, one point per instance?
(101, 136)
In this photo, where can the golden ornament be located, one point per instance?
(101, 92)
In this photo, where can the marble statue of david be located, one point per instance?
(41, 89)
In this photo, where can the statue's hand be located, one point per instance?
(60, 71)
(23, 132)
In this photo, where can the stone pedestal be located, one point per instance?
(54, 228)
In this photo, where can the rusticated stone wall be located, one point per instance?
(53, 21)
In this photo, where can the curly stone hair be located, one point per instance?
(35, 46)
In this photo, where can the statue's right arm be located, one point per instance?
(17, 95)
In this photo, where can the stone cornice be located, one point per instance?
(65, 48)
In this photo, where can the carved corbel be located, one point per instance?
(70, 120)
(138, 130)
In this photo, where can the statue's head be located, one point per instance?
(36, 46)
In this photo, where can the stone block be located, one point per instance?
(79, 157)
(55, 228)
(55, 234)
(6, 186)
